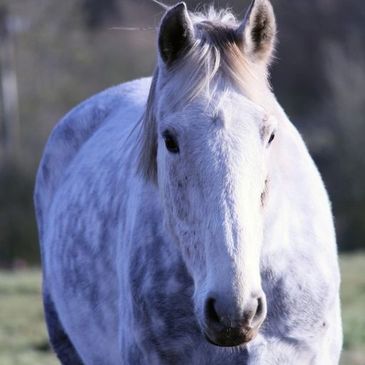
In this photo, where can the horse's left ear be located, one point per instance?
(257, 33)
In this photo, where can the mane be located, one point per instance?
(216, 59)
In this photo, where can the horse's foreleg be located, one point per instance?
(60, 342)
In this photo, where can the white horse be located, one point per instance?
(182, 220)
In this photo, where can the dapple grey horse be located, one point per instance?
(181, 218)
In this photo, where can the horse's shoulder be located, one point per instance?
(76, 128)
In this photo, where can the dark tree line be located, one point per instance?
(98, 13)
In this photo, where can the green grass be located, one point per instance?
(23, 339)
(353, 308)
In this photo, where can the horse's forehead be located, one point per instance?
(233, 106)
(225, 109)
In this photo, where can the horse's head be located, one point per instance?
(206, 144)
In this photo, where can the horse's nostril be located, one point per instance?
(259, 307)
(210, 311)
(260, 311)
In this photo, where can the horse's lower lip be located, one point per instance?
(222, 341)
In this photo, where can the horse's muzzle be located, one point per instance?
(220, 330)
(231, 337)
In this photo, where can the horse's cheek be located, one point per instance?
(182, 226)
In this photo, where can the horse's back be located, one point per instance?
(77, 174)
(78, 126)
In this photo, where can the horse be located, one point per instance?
(181, 217)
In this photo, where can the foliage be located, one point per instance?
(98, 13)
(17, 224)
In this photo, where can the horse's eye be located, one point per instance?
(272, 137)
(170, 142)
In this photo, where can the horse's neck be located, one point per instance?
(297, 203)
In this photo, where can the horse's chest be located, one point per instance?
(297, 303)
(162, 311)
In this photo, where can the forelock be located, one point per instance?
(216, 60)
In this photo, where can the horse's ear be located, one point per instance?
(176, 34)
(257, 32)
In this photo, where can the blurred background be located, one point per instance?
(54, 54)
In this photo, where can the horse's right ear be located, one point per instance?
(257, 32)
(176, 34)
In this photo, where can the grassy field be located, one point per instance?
(353, 309)
(23, 338)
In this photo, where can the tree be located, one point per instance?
(97, 13)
